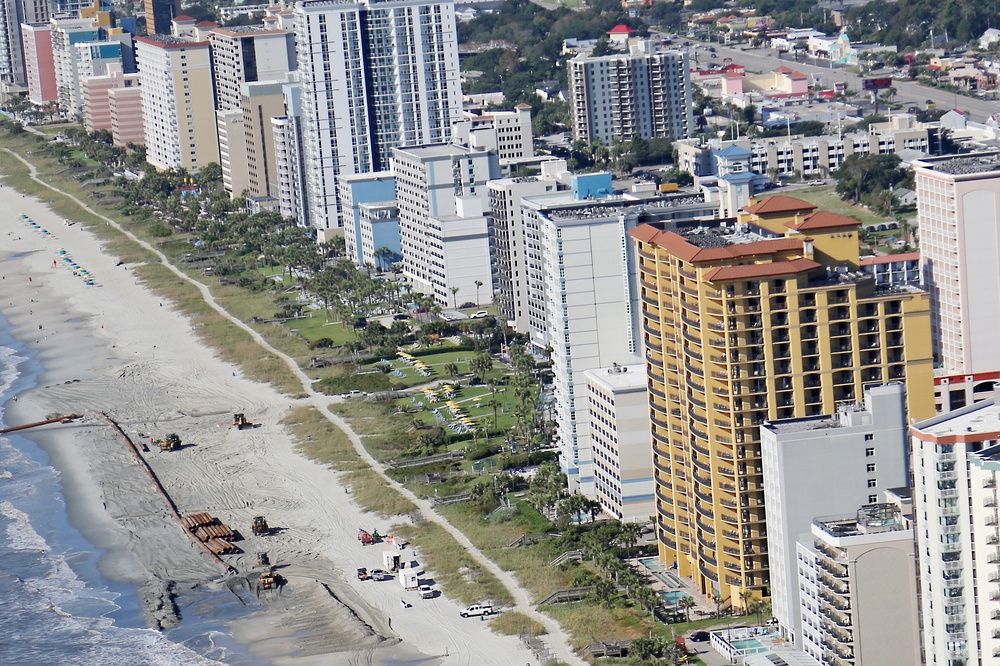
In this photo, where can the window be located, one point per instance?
(872, 499)
(870, 452)
(869, 437)
(873, 483)
(870, 467)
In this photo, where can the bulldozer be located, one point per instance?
(269, 580)
(260, 526)
(241, 423)
(171, 443)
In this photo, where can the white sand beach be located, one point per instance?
(114, 347)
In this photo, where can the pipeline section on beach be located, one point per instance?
(163, 493)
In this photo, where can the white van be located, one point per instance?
(478, 609)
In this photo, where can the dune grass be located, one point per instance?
(516, 624)
(231, 342)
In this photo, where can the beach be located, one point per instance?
(114, 347)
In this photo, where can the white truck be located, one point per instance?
(478, 610)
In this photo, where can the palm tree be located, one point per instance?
(717, 598)
(478, 283)
(454, 297)
(746, 596)
(686, 603)
(383, 257)
(630, 533)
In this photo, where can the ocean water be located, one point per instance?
(56, 608)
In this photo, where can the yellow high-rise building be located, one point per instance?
(767, 318)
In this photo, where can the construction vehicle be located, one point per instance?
(270, 580)
(241, 423)
(263, 560)
(363, 574)
(171, 443)
(260, 526)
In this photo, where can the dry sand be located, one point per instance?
(115, 347)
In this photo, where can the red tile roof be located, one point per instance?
(183, 18)
(679, 246)
(822, 219)
(889, 258)
(621, 29)
(754, 271)
(206, 24)
(779, 204)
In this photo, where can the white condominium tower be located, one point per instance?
(376, 75)
(640, 93)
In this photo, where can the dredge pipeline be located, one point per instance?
(163, 493)
(59, 419)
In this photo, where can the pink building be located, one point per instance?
(100, 92)
(958, 214)
(39, 64)
(126, 116)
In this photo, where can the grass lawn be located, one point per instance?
(86, 161)
(828, 199)
(474, 401)
(435, 363)
(316, 326)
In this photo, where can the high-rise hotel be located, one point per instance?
(375, 76)
(766, 318)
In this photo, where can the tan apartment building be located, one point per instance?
(261, 101)
(767, 318)
(247, 55)
(175, 75)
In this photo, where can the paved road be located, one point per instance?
(908, 92)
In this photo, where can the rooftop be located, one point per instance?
(779, 204)
(962, 165)
(822, 219)
(890, 258)
(869, 519)
(170, 41)
(562, 205)
(973, 423)
(624, 377)
(247, 30)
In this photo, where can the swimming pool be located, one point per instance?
(673, 597)
(668, 578)
(748, 646)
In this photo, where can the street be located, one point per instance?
(908, 92)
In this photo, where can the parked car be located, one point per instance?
(479, 315)
(468, 304)
(353, 394)
(378, 574)
(478, 610)
(400, 317)
(426, 592)
(700, 637)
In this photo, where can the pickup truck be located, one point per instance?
(478, 610)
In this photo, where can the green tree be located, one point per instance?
(480, 366)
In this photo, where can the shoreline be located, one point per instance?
(124, 346)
